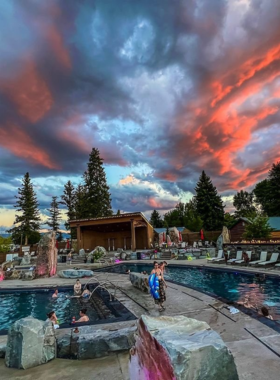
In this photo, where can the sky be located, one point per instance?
(163, 88)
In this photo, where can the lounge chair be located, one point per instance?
(273, 260)
(220, 256)
(242, 261)
(263, 258)
(238, 257)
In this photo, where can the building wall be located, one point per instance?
(237, 231)
(91, 239)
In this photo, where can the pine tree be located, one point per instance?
(244, 204)
(28, 221)
(80, 203)
(258, 228)
(209, 204)
(274, 189)
(55, 215)
(69, 200)
(98, 199)
(156, 220)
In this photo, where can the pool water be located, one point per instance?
(229, 285)
(17, 304)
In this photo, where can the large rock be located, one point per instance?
(180, 348)
(140, 281)
(47, 255)
(73, 273)
(88, 344)
(30, 343)
(2, 351)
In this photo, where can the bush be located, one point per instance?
(5, 244)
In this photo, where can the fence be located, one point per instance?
(191, 237)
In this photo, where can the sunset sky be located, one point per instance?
(163, 88)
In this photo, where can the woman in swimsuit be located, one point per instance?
(162, 298)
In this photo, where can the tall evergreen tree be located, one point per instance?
(69, 199)
(244, 204)
(262, 195)
(209, 204)
(28, 221)
(267, 192)
(80, 203)
(55, 215)
(98, 198)
(274, 179)
(156, 220)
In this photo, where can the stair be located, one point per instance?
(165, 255)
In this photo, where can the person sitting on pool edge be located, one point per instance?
(83, 316)
(86, 293)
(77, 288)
(55, 295)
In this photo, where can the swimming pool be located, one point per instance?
(230, 285)
(18, 303)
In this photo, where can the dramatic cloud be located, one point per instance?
(163, 88)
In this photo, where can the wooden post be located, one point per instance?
(133, 242)
(78, 237)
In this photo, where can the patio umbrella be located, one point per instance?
(67, 244)
(180, 236)
(163, 237)
(201, 235)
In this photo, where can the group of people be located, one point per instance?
(78, 292)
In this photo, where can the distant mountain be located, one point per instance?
(64, 235)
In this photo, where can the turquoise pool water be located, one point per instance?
(231, 285)
(17, 304)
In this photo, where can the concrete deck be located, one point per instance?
(254, 345)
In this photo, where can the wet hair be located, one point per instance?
(265, 311)
(84, 311)
(50, 314)
(77, 280)
(155, 262)
(165, 263)
(55, 290)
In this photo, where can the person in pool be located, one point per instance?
(83, 316)
(55, 295)
(86, 293)
(52, 317)
(265, 313)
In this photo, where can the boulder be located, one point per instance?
(30, 343)
(140, 281)
(82, 252)
(179, 348)
(88, 344)
(75, 273)
(26, 260)
(2, 351)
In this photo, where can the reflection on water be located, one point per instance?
(247, 289)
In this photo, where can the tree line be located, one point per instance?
(90, 199)
(206, 209)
